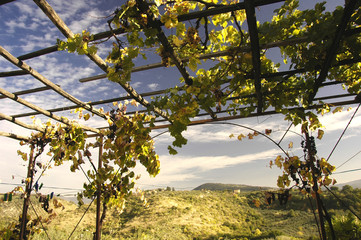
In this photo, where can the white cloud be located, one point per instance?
(153, 86)
(338, 121)
(184, 168)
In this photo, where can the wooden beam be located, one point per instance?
(34, 90)
(228, 52)
(43, 111)
(38, 53)
(256, 58)
(269, 77)
(92, 103)
(13, 73)
(219, 119)
(223, 9)
(6, 1)
(22, 124)
(48, 83)
(331, 52)
(14, 136)
(59, 23)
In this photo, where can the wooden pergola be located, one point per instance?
(254, 48)
(163, 121)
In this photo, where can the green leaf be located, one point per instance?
(172, 151)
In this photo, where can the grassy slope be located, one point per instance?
(183, 215)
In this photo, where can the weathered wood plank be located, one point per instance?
(13, 73)
(43, 111)
(34, 90)
(59, 23)
(14, 136)
(48, 83)
(65, 108)
(20, 123)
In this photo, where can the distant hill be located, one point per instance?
(221, 187)
(354, 184)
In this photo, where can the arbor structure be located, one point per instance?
(220, 51)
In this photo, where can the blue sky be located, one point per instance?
(209, 156)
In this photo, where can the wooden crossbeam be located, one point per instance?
(34, 90)
(20, 123)
(59, 23)
(287, 42)
(228, 52)
(48, 83)
(14, 136)
(269, 77)
(265, 113)
(13, 73)
(6, 1)
(331, 52)
(38, 53)
(65, 108)
(256, 60)
(223, 9)
(43, 111)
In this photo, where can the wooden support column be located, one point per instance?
(98, 226)
(315, 188)
(28, 188)
(256, 61)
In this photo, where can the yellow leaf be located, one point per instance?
(177, 42)
(338, 109)
(115, 104)
(134, 103)
(231, 136)
(157, 2)
(290, 145)
(86, 116)
(240, 136)
(278, 161)
(268, 131)
(320, 134)
(250, 136)
(327, 181)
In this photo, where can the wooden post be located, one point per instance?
(99, 185)
(29, 184)
(315, 188)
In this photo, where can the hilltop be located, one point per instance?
(222, 187)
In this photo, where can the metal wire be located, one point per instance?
(339, 139)
(39, 219)
(81, 218)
